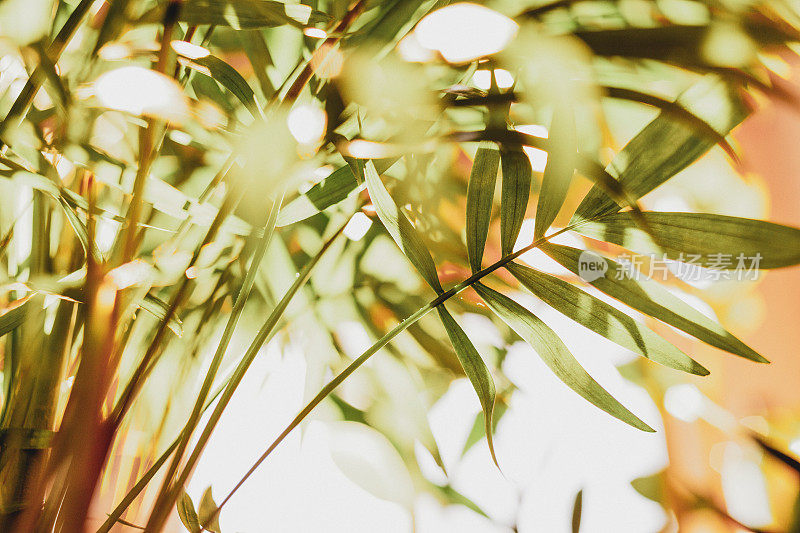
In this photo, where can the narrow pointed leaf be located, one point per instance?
(720, 241)
(654, 300)
(651, 487)
(577, 509)
(604, 319)
(158, 308)
(207, 509)
(559, 168)
(668, 145)
(227, 76)
(187, 514)
(478, 426)
(514, 200)
(330, 191)
(400, 228)
(556, 355)
(13, 317)
(451, 495)
(476, 371)
(480, 192)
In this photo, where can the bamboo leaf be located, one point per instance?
(480, 192)
(720, 241)
(158, 308)
(651, 487)
(478, 426)
(559, 168)
(80, 229)
(187, 513)
(242, 14)
(577, 509)
(476, 371)
(451, 495)
(604, 319)
(330, 191)
(12, 318)
(556, 355)
(666, 145)
(207, 509)
(227, 76)
(400, 228)
(514, 200)
(260, 58)
(649, 297)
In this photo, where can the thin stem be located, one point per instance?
(222, 348)
(149, 142)
(266, 333)
(137, 489)
(145, 365)
(320, 54)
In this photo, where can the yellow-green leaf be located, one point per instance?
(720, 241)
(556, 355)
(649, 297)
(668, 145)
(476, 371)
(559, 168)
(400, 228)
(604, 319)
(514, 200)
(480, 192)
(187, 514)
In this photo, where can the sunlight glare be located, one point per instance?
(464, 32)
(357, 227)
(483, 79)
(307, 123)
(141, 91)
(190, 50)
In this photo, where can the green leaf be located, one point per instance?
(392, 17)
(478, 426)
(207, 508)
(577, 509)
(559, 169)
(80, 229)
(476, 371)
(480, 192)
(255, 47)
(187, 513)
(666, 145)
(242, 14)
(681, 235)
(158, 308)
(604, 319)
(514, 200)
(654, 300)
(330, 191)
(400, 228)
(227, 76)
(651, 487)
(451, 495)
(12, 318)
(556, 355)
(205, 87)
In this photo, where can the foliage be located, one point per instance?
(236, 168)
